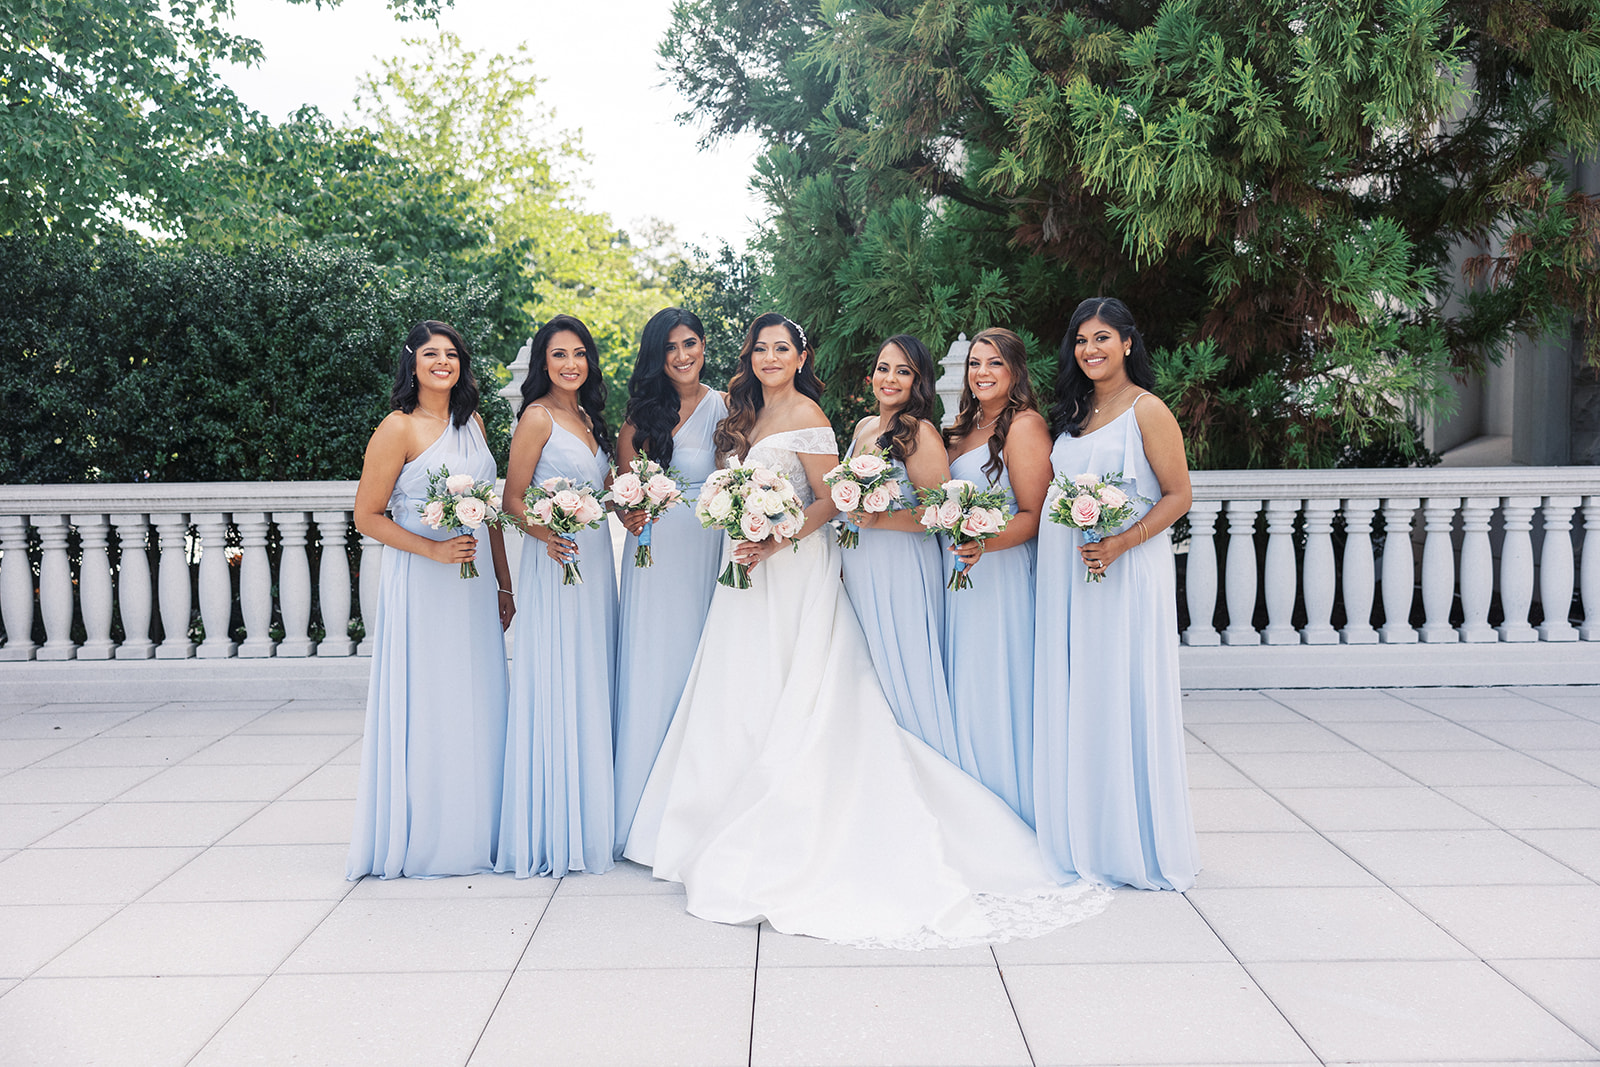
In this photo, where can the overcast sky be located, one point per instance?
(600, 66)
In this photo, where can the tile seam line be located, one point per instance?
(510, 975)
(1027, 1045)
(755, 993)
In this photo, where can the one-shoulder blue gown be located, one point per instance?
(988, 655)
(556, 813)
(664, 609)
(1112, 784)
(428, 801)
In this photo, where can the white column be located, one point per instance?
(371, 570)
(1318, 577)
(134, 602)
(172, 584)
(953, 377)
(1280, 573)
(1356, 581)
(216, 585)
(1516, 568)
(1555, 569)
(1477, 569)
(55, 587)
(1398, 573)
(1590, 570)
(1438, 570)
(1240, 573)
(333, 584)
(94, 585)
(16, 588)
(294, 583)
(255, 584)
(512, 390)
(1200, 574)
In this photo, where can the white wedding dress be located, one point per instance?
(786, 791)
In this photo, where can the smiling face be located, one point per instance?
(438, 364)
(566, 361)
(988, 373)
(892, 378)
(1100, 351)
(686, 356)
(775, 360)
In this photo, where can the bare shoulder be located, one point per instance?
(1028, 426)
(477, 418)
(928, 436)
(393, 432)
(1152, 414)
(808, 415)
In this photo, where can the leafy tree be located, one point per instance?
(1283, 191)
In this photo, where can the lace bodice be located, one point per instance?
(781, 452)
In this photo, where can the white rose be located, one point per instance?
(721, 506)
(955, 485)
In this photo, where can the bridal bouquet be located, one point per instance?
(460, 502)
(565, 507)
(647, 486)
(1095, 504)
(866, 482)
(750, 504)
(964, 513)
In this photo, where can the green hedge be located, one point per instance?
(127, 361)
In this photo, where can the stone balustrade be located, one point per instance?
(1286, 547)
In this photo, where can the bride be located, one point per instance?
(785, 790)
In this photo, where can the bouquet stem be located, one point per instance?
(1092, 537)
(735, 576)
(570, 575)
(849, 535)
(469, 569)
(641, 555)
(959, 578)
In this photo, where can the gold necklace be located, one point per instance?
(991, 422)
(1119, 392)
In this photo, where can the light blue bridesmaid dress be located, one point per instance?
(896, 585)
(556, 813)
(988, 657)
(428, 802)
(1112, 786)
(663, 611)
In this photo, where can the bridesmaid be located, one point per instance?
(998, 439)
(1112, 789)
(671, 418)
(428, 803)
(556, 812)
(895, 575)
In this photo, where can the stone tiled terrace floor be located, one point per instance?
(1390, 877)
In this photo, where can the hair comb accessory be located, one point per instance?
(804, 344)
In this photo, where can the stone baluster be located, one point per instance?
(94, 586)
(1589, 570)
(134, 602)
(1438, 570)
(1477, 569)
(216, 585)
(953, 375)
(55, 587)
(333, 584)
(1280, 573)
(1200, 573)
(294, 583)
(371, 570)
(1357, 578)
(1516, 568)
(1240, 573)
(16, 588)
(1317, 579)
(255, 584)
(1555, 569)
(1398, 571)
(172, 586)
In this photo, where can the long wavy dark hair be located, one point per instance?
(591, 394)
(899, 436)
(652, 398)
(463, 395)
(745, 398)
(1074, 391)
(1019, 398)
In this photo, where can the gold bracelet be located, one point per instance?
(1140, 523)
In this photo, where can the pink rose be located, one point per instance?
(661, 489)
(949, 514)
(1086, 481)
(846, 495)
(930, 517)
(765, 478)
(880, 498)
(980, 523)
(755, 526)
(628, 490)
(866, 465)
(1085, 511)
(550, 485)
(589, 510)
(470, 512)
(789, 525)
(457, 484)
(1112, 497)
(567, 500)
(433, 514)
(543, 511)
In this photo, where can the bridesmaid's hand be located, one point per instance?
(460, 549)
(561, 549)
(1101, 554)
(968, 552)
(508, 609)
(751, 553)
(635, 520)
(865, 519)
